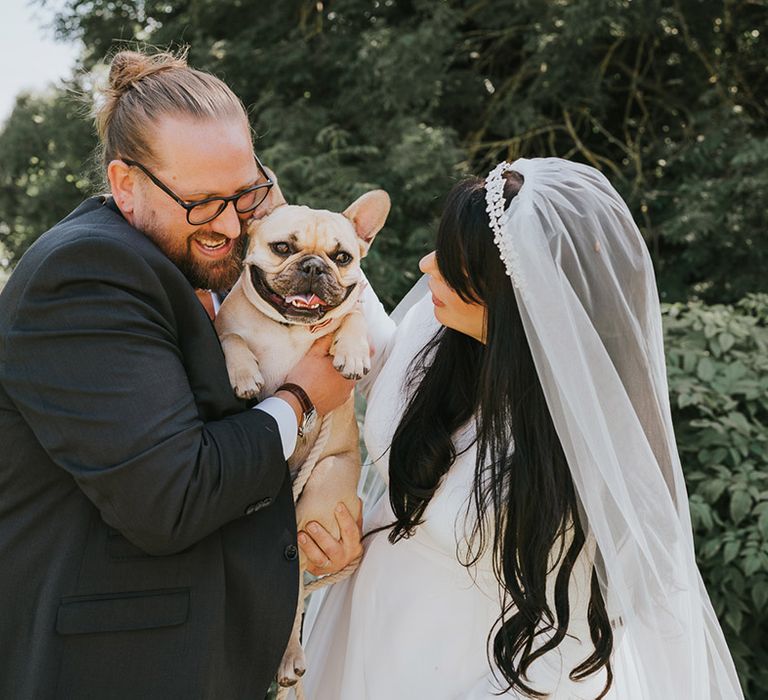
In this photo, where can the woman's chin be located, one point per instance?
(438, 311)
(446, 320)
(453, 324)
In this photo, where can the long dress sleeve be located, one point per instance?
(381, 333)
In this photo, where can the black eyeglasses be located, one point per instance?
(205, 210)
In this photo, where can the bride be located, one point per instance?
(534, 537)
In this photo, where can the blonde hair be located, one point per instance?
(142, 88)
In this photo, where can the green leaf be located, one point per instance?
(726, 341)
(740, 422)
(735, 370)
(718, 455)
(701, 513)
(760, 594)
(689, 362)
(741, 504)
(710, 548)
(713, 489)
(762, 524)
(752, 564)
(734, 618)
(705, 370)
(730, 551)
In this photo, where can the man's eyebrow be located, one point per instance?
(206, 195)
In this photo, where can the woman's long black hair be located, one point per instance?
(524, 497)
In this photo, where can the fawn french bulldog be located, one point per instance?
(301, 281)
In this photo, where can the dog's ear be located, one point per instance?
(273, 200)
(368, 214)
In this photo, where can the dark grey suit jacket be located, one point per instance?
(147, 530)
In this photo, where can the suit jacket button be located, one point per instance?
(291, 552)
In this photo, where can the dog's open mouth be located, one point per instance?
(304, 301)
(305, 305)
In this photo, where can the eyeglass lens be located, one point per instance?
(207, 211)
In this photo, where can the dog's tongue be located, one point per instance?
(304, 299)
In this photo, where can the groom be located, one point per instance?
(148, 545)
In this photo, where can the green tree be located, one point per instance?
(667, 97)
(44, 151)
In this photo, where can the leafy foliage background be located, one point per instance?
(717, 364)
(668, 97)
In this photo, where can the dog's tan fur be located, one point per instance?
(262, 342)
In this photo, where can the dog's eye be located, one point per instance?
(280, 248)
(342, 258)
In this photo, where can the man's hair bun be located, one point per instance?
(129, 67)
(141, 88)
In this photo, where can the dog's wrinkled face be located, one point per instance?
(303, 264)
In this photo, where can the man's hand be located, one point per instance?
(324, 553)
(315, 373)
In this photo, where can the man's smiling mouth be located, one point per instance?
(211, 242)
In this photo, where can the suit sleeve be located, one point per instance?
(93, 365)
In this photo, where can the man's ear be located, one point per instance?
(368, 214)
(274, 199)
(122, 183)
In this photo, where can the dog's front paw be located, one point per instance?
(292, 667)
(351, 357)
(247, 382)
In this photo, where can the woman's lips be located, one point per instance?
(436, 301)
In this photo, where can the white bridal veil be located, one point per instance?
(587, 295)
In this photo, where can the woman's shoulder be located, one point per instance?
(419, 324)
(414, 331)
(389, 389)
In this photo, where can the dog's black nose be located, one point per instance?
(312, 266)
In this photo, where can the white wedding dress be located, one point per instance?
(413, 623)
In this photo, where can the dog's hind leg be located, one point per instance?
(293, 665)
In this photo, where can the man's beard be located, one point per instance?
(218, 275)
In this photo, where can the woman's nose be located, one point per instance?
(427, 263)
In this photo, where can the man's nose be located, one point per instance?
(228, 223)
